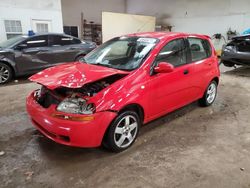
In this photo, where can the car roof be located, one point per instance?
(166, 35)
(42, 34)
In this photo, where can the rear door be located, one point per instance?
(64, 48)
(203, 63)
(34, 54)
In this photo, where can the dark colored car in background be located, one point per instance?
(237, 52)
(24, 55)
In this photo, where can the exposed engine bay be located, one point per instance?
(74, 100)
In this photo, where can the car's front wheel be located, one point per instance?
(123, 131)
(210, 94)
(5, 73)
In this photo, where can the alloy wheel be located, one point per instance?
(4, 74)
(211, 93)
(126, 131)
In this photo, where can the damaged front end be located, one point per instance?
(74, 100)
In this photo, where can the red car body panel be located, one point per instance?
(86, 133)
(73, 75)
(157, 95)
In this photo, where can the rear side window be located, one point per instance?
(39, 41)
(244, 45)
(57, 40)
(174, 53)
(200, 49)
(76, 41)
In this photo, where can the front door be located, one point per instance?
(204, 63)
(171, 90)
(34, 54)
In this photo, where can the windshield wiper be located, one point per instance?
(99, 64)
(104, 65)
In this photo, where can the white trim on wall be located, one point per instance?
(34, 23)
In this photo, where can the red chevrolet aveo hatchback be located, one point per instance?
(124, 83)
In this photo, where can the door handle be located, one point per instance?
(185, 71)
(42, 51)
(31, 51)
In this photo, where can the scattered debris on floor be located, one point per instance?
(29, 175)
(2, 153)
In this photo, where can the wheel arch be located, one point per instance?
(216, 79)
(11, 67)
(134, 107)
(130, 107)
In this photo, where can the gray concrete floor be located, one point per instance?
(192, 147)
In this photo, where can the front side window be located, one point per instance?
(13, 28)
(39, 41)
(174, 53)
(200, 49)
(124, 53)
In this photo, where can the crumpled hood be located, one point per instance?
(72, 75)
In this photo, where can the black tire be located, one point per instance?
(78, 58)
(113, 138)
(205, 100)
(6, 73)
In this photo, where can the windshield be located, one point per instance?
(11, 41)
(123, 53)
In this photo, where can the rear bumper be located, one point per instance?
(88, 133)
(240, 58)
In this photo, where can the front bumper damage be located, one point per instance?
(79, 130)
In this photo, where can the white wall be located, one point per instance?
(196, 16)
(92, 10)
(27, 10)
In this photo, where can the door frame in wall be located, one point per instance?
(69, 32)
(34, 23)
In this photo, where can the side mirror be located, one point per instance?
(164, 67)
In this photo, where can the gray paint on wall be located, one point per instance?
(199, 16)
(92, 10)
(31, 4)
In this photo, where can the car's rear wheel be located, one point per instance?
(123, 131)
(210, 94)
(5, 73)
